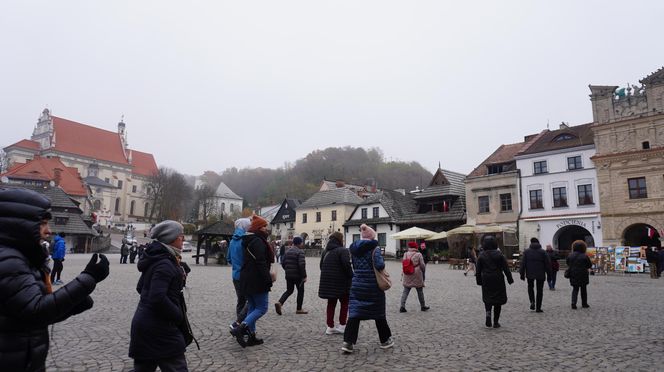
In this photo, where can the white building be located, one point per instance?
(224, 202)
(559, 198)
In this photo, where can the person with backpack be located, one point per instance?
(336, 274)
(413, 268)
(295, 266)
(491, 265)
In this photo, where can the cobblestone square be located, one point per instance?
(623, 329)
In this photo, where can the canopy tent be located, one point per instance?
(493, 228)
(437, 236)
(463, 229)
(413, 233)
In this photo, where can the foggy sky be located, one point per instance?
(207, 85)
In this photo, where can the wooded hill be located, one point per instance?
(263, 186)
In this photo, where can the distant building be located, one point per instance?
(324, 213)
(224, 203)
(283, 221)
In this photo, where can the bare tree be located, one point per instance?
(207, 205)
(169, 194)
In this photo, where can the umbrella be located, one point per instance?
(438, 236)
(493, 228)
(413, 233)
(463, 229)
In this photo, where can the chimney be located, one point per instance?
(340, 183)
(564, 125)
(57, 176)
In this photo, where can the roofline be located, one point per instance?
(52, 149)
(553, 152)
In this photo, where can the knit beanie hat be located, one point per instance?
(256, 223)
(297, 240)
(167, 231)
(367, 233)
(412, 245)
(242, 223)
(338, 236)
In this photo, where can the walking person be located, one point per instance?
(555, 267)
(294, 263)
(491, 271)
(133, 251)
(336, 274)
(58, 257)
(124, 253)
(367, 300)
(414, 279)
(236, 259)
(156, 338)
(29, 303)
(535, 266)
(282, 251)
(255, 280)
(578, 265)
(472, 260)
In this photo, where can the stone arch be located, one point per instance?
(563, 238)
(627, 222)
(636, 235)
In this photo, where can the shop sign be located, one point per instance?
(570, 222)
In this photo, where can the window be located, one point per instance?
(134, 188)
(376, 212)
(564, 137)
(356, 237)
(317, 216)
(61, 220)
(131, 207)
(497, 168)
(382, 239)
(637, 188)
(505, 202)
(291, 225)
(483, 202)
(107, 180)
(540, 167)
(645, 145)
(119, 184)
(574, 162)
(559, 197)
(334, 215)
(146, 212)
(585, 194)
(117, 205)
(364, 213)
(93, 170)
(223, 207)
(304, 218)
(97, 205)
(232, 207)
(536, 199)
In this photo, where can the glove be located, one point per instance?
(98, 270)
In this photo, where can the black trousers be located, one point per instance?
(540, 293)
(290, 286)
(584, 294)
(57, 270)
(177, 364)
(241, 307)
(123, 258)
(353, 328)
(496, 311)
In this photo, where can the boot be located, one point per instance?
(488, 319)
(240, 333)
(253, 340)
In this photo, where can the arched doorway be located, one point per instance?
(641, 234)
(563, 238)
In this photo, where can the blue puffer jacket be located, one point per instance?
(235, 252)
(59, 249)
(367, 301)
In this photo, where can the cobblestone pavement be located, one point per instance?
(623, 329)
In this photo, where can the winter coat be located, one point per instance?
(124, 249)
(535, 263)
(491, 265)
(255, 273)
(578, 264)
(27, 307)
(651, 256)
(59, 249)
(294, 264)
(154, 328)
(236, 252)
(336, 272)
(416, 279)
(367, 301)
(553, 257)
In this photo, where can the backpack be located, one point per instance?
(407, 265)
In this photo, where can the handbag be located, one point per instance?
(382, 277)
(566, 274)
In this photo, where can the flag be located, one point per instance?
(650, 232)
(446, 207)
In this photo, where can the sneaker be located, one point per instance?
(402, 310)
(347, 348)
(585, 306)
(300, 312)
(330, 331)
(425, 308)
(340, 329)
(387, 344)
(539, 311)
(277, 308)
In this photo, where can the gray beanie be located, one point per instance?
(167, 231)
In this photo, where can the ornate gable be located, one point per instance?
(655, 78)
(439, 179)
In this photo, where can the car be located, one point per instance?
(187, 247)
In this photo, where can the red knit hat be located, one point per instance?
(412, 245)
(256, 223)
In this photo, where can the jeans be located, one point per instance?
(257, 308)
(176, 364)
(241, 307)
(57, 270)
(551, 279)
(584, 294)
(343, 312)
(406, 292)
(353, 327)
(290, 284)
(540, 294)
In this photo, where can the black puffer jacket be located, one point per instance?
(536, 263)
(490, 273)
(336, 271)
(154, 328)
(26, 307)
(255, 273)
(294, 264)
(578, 264)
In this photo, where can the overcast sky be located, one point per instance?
(206, 85)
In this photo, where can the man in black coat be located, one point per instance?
(535, 266)
(336, 276)
(28, 303)
(294, 264)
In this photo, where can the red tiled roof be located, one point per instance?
(80, 139)
(504, 154)
(579, 135)
(43, 169)
(143, 163)
(26, 144)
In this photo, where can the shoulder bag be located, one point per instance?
(382, 277)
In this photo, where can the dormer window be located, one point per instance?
(564, 137)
